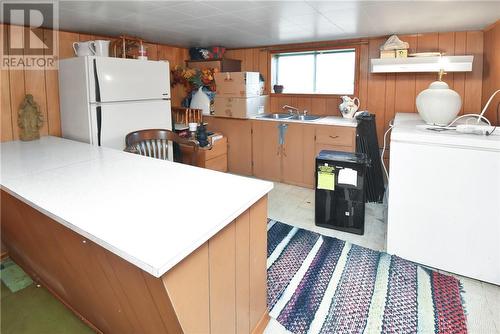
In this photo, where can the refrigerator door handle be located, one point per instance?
(98, 108)
(99, 124)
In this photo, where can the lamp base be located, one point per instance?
(438, 104)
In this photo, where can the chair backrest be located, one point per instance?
(187, 115)
(155, 143)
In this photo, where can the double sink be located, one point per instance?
(284, 116)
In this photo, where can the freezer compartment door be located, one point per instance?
(118, 119)
(74, 99)
(117, 79)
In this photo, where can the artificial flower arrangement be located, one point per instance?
(192, 79)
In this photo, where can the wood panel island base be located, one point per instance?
(218, 288)
(114, 236)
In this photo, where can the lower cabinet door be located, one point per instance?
(293, 154)
(266, 150)
(239, 142)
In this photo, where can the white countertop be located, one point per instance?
(325, 120)
(150, 212)
(406, 130)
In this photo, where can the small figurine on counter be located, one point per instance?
(29, 119)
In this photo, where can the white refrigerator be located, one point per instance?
(102, 99)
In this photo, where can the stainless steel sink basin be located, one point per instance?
(277, 116)
(305, 117)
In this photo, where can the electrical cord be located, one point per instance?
(391, 125)
(498, 120)
(488, 103)
(479, 117)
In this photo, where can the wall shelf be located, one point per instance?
(422, 64)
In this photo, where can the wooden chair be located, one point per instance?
(154, 143)
(187, 115)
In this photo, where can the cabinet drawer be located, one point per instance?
(321, 147)
(336, 135)
(219, 148)
(219, 163)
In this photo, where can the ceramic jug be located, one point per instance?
(101, 48)
(84, 48)
(349, 106)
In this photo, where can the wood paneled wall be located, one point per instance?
(385, 94)
(381, 94)
(491, 73)
(43, 84)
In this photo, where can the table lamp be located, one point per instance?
(438, 104)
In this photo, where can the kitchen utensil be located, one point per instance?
(84, 48)
(101, 48)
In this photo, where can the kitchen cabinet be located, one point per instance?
(303, 143)
(332, 138)
(339, 136)
(291, 159)
(214, 158)
(256, 143)
(266, 150)
(309, 147)
(293, 154)
(239, 142)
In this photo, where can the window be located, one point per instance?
(316, 72)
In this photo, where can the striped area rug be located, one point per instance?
(319, 284)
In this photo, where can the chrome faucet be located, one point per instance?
(291, 109)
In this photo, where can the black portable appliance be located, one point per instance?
(340, 190)
(366, 142)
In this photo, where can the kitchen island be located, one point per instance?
(134, 244)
